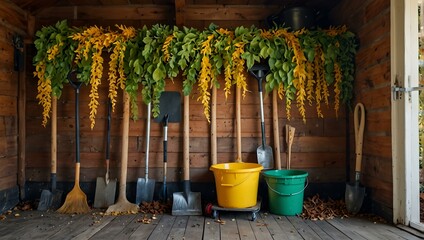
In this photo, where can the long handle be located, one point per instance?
(77, 86)
(214, 145)
(149, 108)
(276, 129)
(186, 139)
(124, 148)
(109, 110)
(289, 138)
(238, 123)
(165, 147)
(54, 144)
(359, 123)
(261, 103)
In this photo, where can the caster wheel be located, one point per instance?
(208, 209)
(215, 214)
(254, 216)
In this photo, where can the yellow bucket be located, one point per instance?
(236, 184)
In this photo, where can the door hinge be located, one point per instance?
(399, 90)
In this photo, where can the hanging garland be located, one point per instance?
(304, 65)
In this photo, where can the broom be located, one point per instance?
(123, 206)
(76, 200)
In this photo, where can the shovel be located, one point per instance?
(52, 199)
(355, 193)
(263, 152)
(146, 186)
(187, 202)
(170, 111)
(105, 188)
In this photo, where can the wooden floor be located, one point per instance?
(50, 225)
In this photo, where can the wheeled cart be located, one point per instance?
(214, 209)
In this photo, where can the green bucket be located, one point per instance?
(285, 191)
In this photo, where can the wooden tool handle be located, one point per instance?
(359, 124)
(238, 123)
(214, 150)
(54, 136)
(276, 129)
(186, 138)
(124, 147)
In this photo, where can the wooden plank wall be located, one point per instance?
(12, 21)
(319, 144)
(370, 20)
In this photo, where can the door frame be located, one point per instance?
(405, 145)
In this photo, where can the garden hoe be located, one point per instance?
(146, 186)
(186, 202)
(355, 193)
(106, 188)
(263, 152)
(123, 205)
(52, 199)
(76, 200)
(170, 111)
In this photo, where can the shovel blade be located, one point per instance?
(186, 204)
(105, 193)
(354, 196)
(145, 190)
(50, 200)
(265, 157)
(45, 200)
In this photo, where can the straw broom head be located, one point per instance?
(76, 200)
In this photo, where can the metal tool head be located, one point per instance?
(354, 196)
(187, 203)
(105, 193)
(265, 156)
(145, 190)
(170, 103)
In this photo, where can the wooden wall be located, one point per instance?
(319, 145)
(12, 22)
(370, 20)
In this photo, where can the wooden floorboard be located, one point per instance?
(211, 230)
(319, 231)
(194, 228)
(77, 225)
(260, 229)
(229, 230)
(145, 230)
(228, 226)
(287, 228)
(243, 226)
(333, 232)
(302, 228)
(273, 227)
(179, 227)
(163, 228)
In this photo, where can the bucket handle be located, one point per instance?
(290, 194)
(235, 184)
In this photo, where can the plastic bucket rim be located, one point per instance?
(288, 194)
(215, 167)
(302, 174)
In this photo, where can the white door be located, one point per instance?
(405, 109)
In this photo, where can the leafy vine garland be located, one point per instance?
(304, 65)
